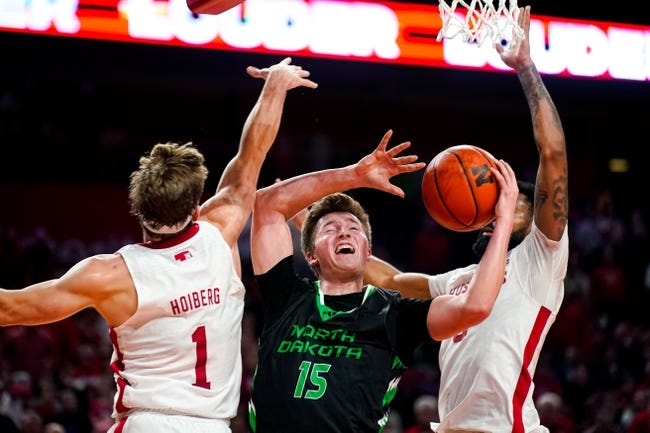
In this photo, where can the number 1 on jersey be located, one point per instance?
(198, 337)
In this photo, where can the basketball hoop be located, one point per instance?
(481, 21)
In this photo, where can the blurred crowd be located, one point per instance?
(593, 374)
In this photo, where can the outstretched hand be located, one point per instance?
(517, 54)
(292, 75)
(381, 165)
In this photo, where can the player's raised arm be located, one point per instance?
(451, 314)
(232, 203)
(551, 207)
(278, 203)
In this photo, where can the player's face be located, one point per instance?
(520, 228)
(340, 246)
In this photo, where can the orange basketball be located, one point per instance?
(211, 7)
(458, 188)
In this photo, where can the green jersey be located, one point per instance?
(330, 364)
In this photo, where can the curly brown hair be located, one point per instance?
(168, 184)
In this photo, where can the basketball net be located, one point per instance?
(481, 21)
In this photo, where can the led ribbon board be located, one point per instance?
(389, 32)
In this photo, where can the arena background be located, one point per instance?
(76, 114)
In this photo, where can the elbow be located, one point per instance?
(555, 152)
(477, 309)
(261, 200)
(461, 319)
(270, 200)
(475, 314)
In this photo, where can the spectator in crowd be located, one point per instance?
(425, 411)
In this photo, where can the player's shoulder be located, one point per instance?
(383, 293)
(537, 236)
(100, 271)
(395, 298)
(99, 262)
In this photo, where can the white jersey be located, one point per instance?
(180, 353)
(486, 371)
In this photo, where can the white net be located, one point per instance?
(480, 20)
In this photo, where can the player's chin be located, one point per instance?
(486, 231)
(480, 244)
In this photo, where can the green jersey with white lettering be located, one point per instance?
(330, 363)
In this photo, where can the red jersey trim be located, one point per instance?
(172, 242)
(118, 366)
(525, 379)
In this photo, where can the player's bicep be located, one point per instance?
(449, 316)
(552, 197)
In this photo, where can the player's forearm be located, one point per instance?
(292, 195)
(491, 268)
(547, 126)
(263, 122)
(380, 273)
(33, 305)
(551, 196)
(6, 314)
(258, 134)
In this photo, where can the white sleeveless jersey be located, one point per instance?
(180, 353)
(486, 371)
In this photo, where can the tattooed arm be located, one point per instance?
(551, 185)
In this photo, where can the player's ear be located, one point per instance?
(311, 259)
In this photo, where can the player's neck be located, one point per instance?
(335, 288)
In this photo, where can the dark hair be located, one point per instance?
(528, 189)
(338, 202)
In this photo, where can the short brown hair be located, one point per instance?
(168, 184)
(338, 202)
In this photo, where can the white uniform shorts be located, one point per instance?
(148, 422)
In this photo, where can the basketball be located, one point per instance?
(211, 7)
(458, 188)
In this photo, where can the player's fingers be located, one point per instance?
(398, 148)
(505, 175)
(384, 140)
(308, 83)
(404, 160)
(498, 174)
(392, 189)
(409, 168)
(254, 72)
(525, 25)
(508, 172)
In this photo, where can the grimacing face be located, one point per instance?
(341, 247)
